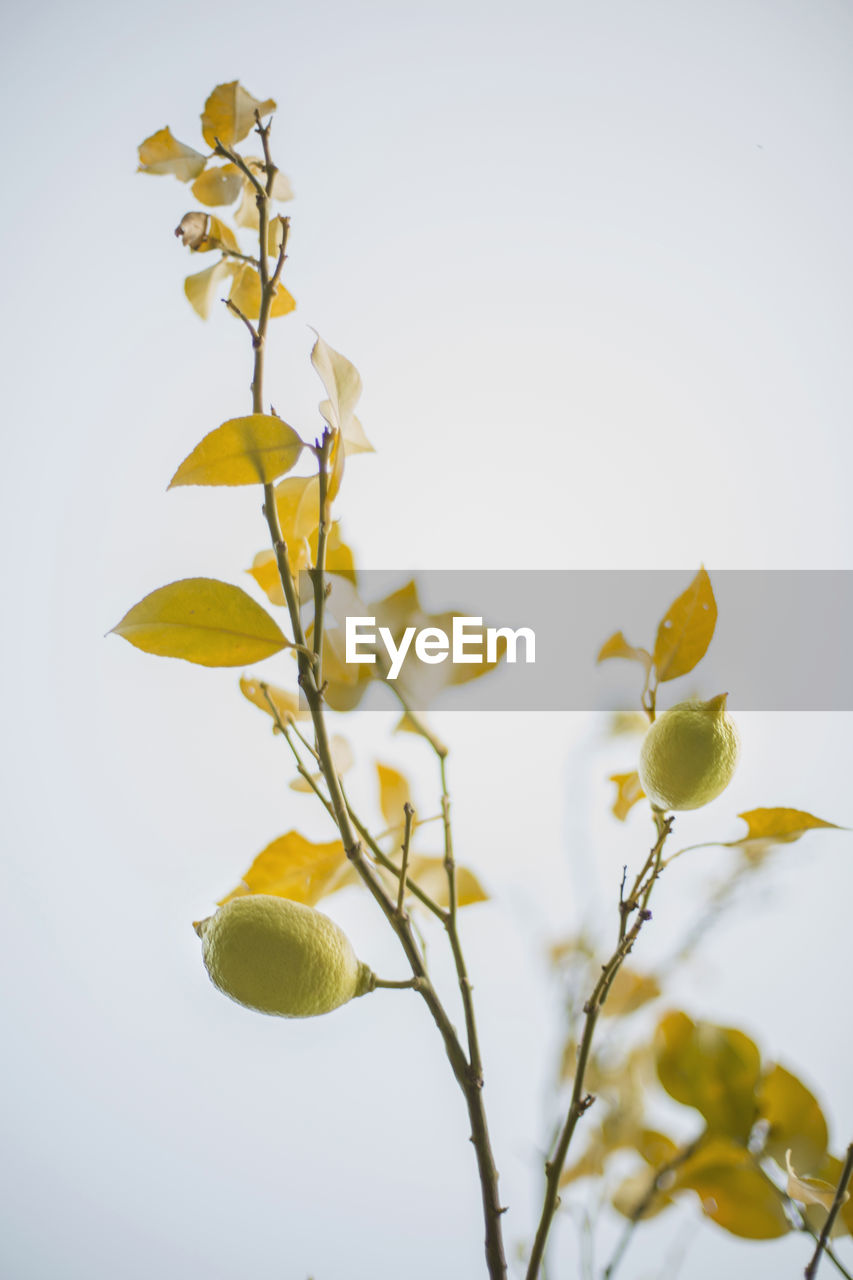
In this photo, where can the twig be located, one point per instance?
(840, 1197)
(409, 815)
(232, 306)
(581, 1102)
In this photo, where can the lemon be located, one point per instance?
(689, 754)
(281, 957)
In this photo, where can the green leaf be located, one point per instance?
(714, 1069)
(686, 630)
(202, 620)
(229, 114)
(253, 450)
(161, 153)
(794, 1117)
(732, 1191)
(295, 868)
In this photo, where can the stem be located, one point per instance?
(638, 901)
(840, 1197)
(469, 1079)
(409, 815)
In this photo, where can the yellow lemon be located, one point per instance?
(689, 754)
(281, 957)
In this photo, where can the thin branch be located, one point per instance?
(581, 1102)
(840, 1197)
(232, 306)
(409, 815)
(227, 154)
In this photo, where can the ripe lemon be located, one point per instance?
(281, 957)
(689, 754)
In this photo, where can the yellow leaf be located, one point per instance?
(781, 826)
(343, 387)
(297, 502)
(220, 185)
(202, 620)
(229, 114)
(295, 868)
(265, 572)
(830, 1170)
(246, 294)
(714, 1069)
(794, 1118)
(618, 647)
(809, 1190)
(633, 1191)
(342, 759)
(202, 289)
(337, 462)
(161, 153)
(247, 214)
(253, 450)
(394, 794)
(286, 703)
(430, 875)
(685, 633)
(732, 1191)
(628, 792)
(275, 232)
(339, 557)
(630, 991)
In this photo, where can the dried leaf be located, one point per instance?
(686, 631)
(192, 229)
(628, 792)
(202, 620)
(295, 868)
(161, 153)
(809, 1190)
(253, 450)
(229, 114)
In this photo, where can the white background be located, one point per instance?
(594, 265)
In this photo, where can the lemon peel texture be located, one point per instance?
(281, 957)
(689, 754)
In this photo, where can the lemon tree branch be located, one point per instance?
(580, 1102)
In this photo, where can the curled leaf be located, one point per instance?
(810, 1190)
(343, 387)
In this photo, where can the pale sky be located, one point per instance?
(594, 265)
